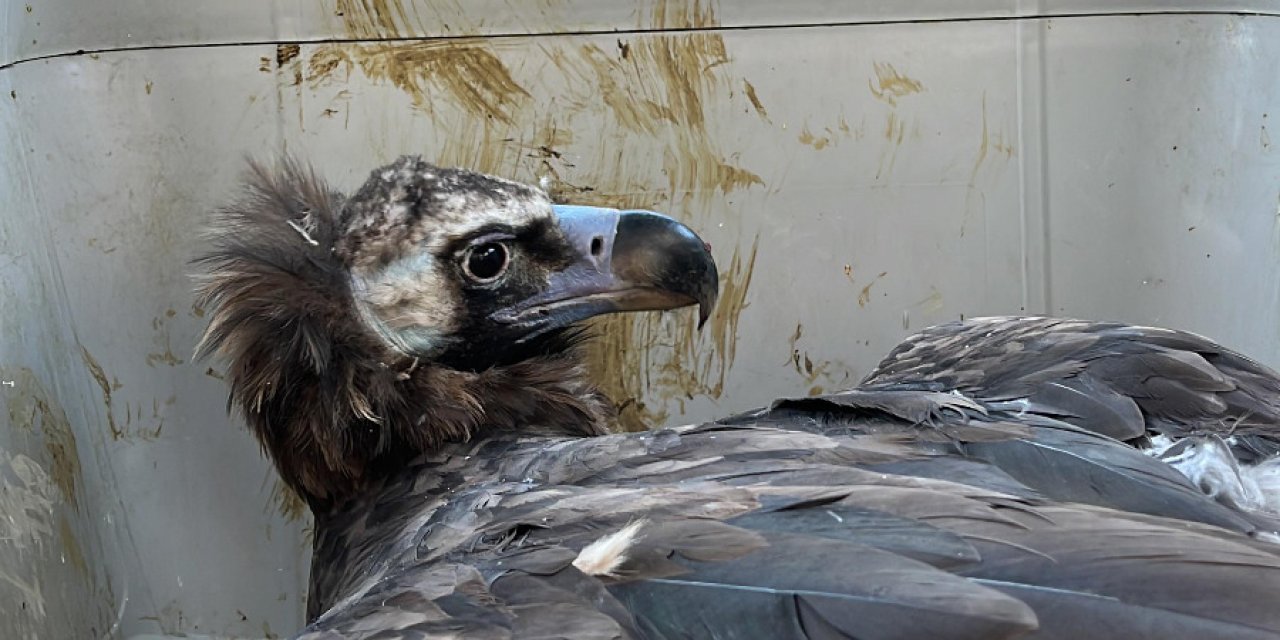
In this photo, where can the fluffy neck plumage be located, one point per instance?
(333, 406)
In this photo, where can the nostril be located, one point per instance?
(597, 246)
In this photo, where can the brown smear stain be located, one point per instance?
(857, 133)
(831, 137)
(810, 371)
(889, 86)
(662, 89)
(464, 68)
(94, 243)
(117, 430)
(659, 90)
(38, 406)
(679, 14)
(755, 100)
(482, 144)
(100, 377)
(60, 442)
(286, 53)
(643, 356)
(165, 357)
(163, 340)
(818, 143)
(864, 296)
(71, 547)
(895, 132)
(975, 198)
(372, 19)
(325, 61)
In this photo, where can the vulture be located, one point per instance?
(409, 357)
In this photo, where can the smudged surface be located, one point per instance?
(60, 443)
(370, 19)
(656, 87)
(755, 100)
(652, 364)
(164, 353)
(138, 422)
(834, 373)
(817, 142)
(466, 69)
(71, 547)
(26, 501)
(864, 296)
(895, 131)
(34, 410)
(285, 53)
(889, 86)
(48, 589)
(166, 357)
(931, 303)
(664, 88)
(27, 498)
(990, 142)
(100, 377)
(991, 146)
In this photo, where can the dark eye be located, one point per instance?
(485, 262)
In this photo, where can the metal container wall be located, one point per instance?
(861, 172)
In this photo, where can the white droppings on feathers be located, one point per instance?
(606, 555)
(1210, 465)
(1267, 475)
(302, 232)
(1266, 536)
(1159, 444)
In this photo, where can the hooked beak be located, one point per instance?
(626, 261)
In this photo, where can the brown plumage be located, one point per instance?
(453, 454)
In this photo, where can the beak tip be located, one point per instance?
(705, 308)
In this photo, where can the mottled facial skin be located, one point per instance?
(412, 242)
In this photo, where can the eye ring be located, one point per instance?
(486, 262)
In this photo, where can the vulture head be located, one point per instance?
(433, 303)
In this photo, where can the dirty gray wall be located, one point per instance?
(859, 175)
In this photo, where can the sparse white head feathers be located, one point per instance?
(397, 228)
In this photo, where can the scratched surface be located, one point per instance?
(856, 183)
